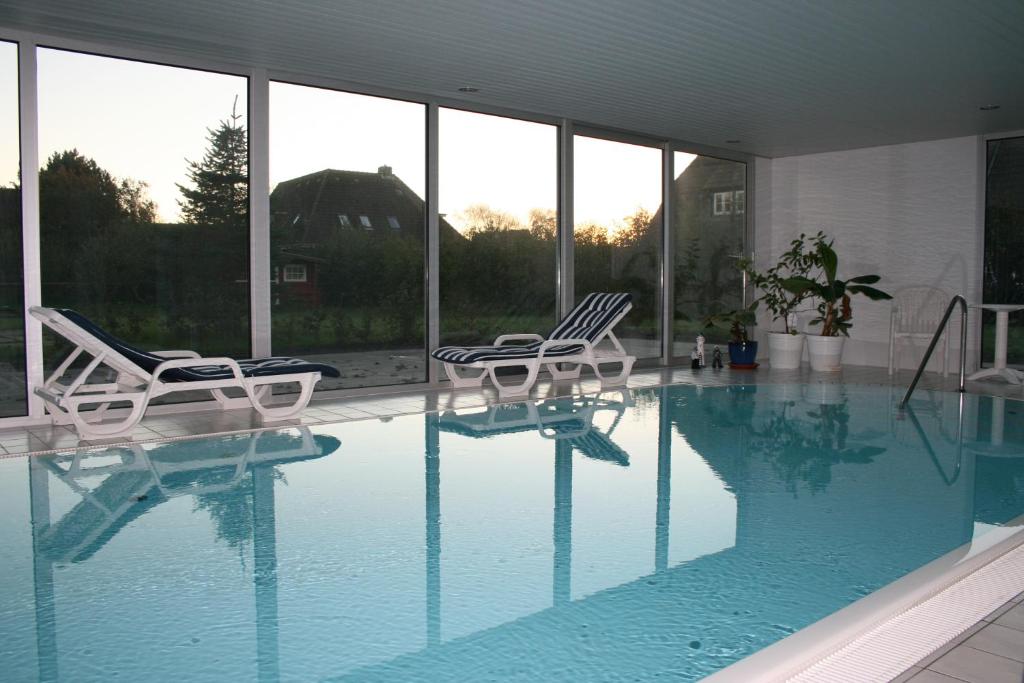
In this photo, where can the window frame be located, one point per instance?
(304, 277)
(725, 207)
(259, 76)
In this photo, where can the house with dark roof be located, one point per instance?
(708, 222)
(317, 209)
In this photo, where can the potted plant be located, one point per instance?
(742, 350)
(834, 311)
(785, 348)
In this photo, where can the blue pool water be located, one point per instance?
(662, 533)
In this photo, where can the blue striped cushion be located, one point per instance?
(260, 367)
(589, 320)
(592, 316)
(464, 355)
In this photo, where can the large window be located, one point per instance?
(617, 232)
(12, 321)
(144, 197)
(144, 225)
(708, 225)
(498, 196)
(347, 222)
(1004, 243)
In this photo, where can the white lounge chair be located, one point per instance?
(145, 375)
(573, 342)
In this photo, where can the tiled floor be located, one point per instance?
(990, 652)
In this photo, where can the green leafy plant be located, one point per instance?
(797, 262)
(833, 295)
(737, 322)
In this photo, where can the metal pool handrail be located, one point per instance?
(935, 340)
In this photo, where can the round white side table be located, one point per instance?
(999, 368)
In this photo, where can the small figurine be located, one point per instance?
(700, 350)
(716, 358)
(694, 359)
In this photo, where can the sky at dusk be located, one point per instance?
(145, 121)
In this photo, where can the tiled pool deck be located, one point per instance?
(990, 652)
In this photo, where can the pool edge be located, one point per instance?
(809, 647)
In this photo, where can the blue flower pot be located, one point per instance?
(743, 353)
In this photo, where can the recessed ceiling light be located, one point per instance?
(989, 107)
(733, 142)
(468, 88)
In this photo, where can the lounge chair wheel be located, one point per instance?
(561, 375)
(621, 377)
(464, 381)
(521, 389)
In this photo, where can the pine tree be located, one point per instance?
(219, 195)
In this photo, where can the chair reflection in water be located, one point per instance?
(566, 419)
(141, 479)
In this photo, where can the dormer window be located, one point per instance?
(722, 203)
(343, 220)
(365, 221)
(393, 222)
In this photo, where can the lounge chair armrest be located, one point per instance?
(176, 354)
(551, 343)
(229, 363)
(517, 337)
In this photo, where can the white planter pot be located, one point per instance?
(785, 350)
(826, 353)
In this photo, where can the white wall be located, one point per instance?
(911, 213)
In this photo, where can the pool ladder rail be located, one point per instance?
(956, 300)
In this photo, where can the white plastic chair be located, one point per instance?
(143, 376)
(916, 314)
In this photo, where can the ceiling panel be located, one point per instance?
(783, 77)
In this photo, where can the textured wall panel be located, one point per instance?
(906, 212)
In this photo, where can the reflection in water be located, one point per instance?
(804, 442)
(831, 504)
(566, 419)
(139, 480)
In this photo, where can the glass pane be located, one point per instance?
(617, 214)
(1004, 244)
(498, 203)
(709, 206)
(144, 197)
(347, 233)
(12, 310)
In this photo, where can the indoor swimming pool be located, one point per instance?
(635, 535)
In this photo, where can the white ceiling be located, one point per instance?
(783, 76)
